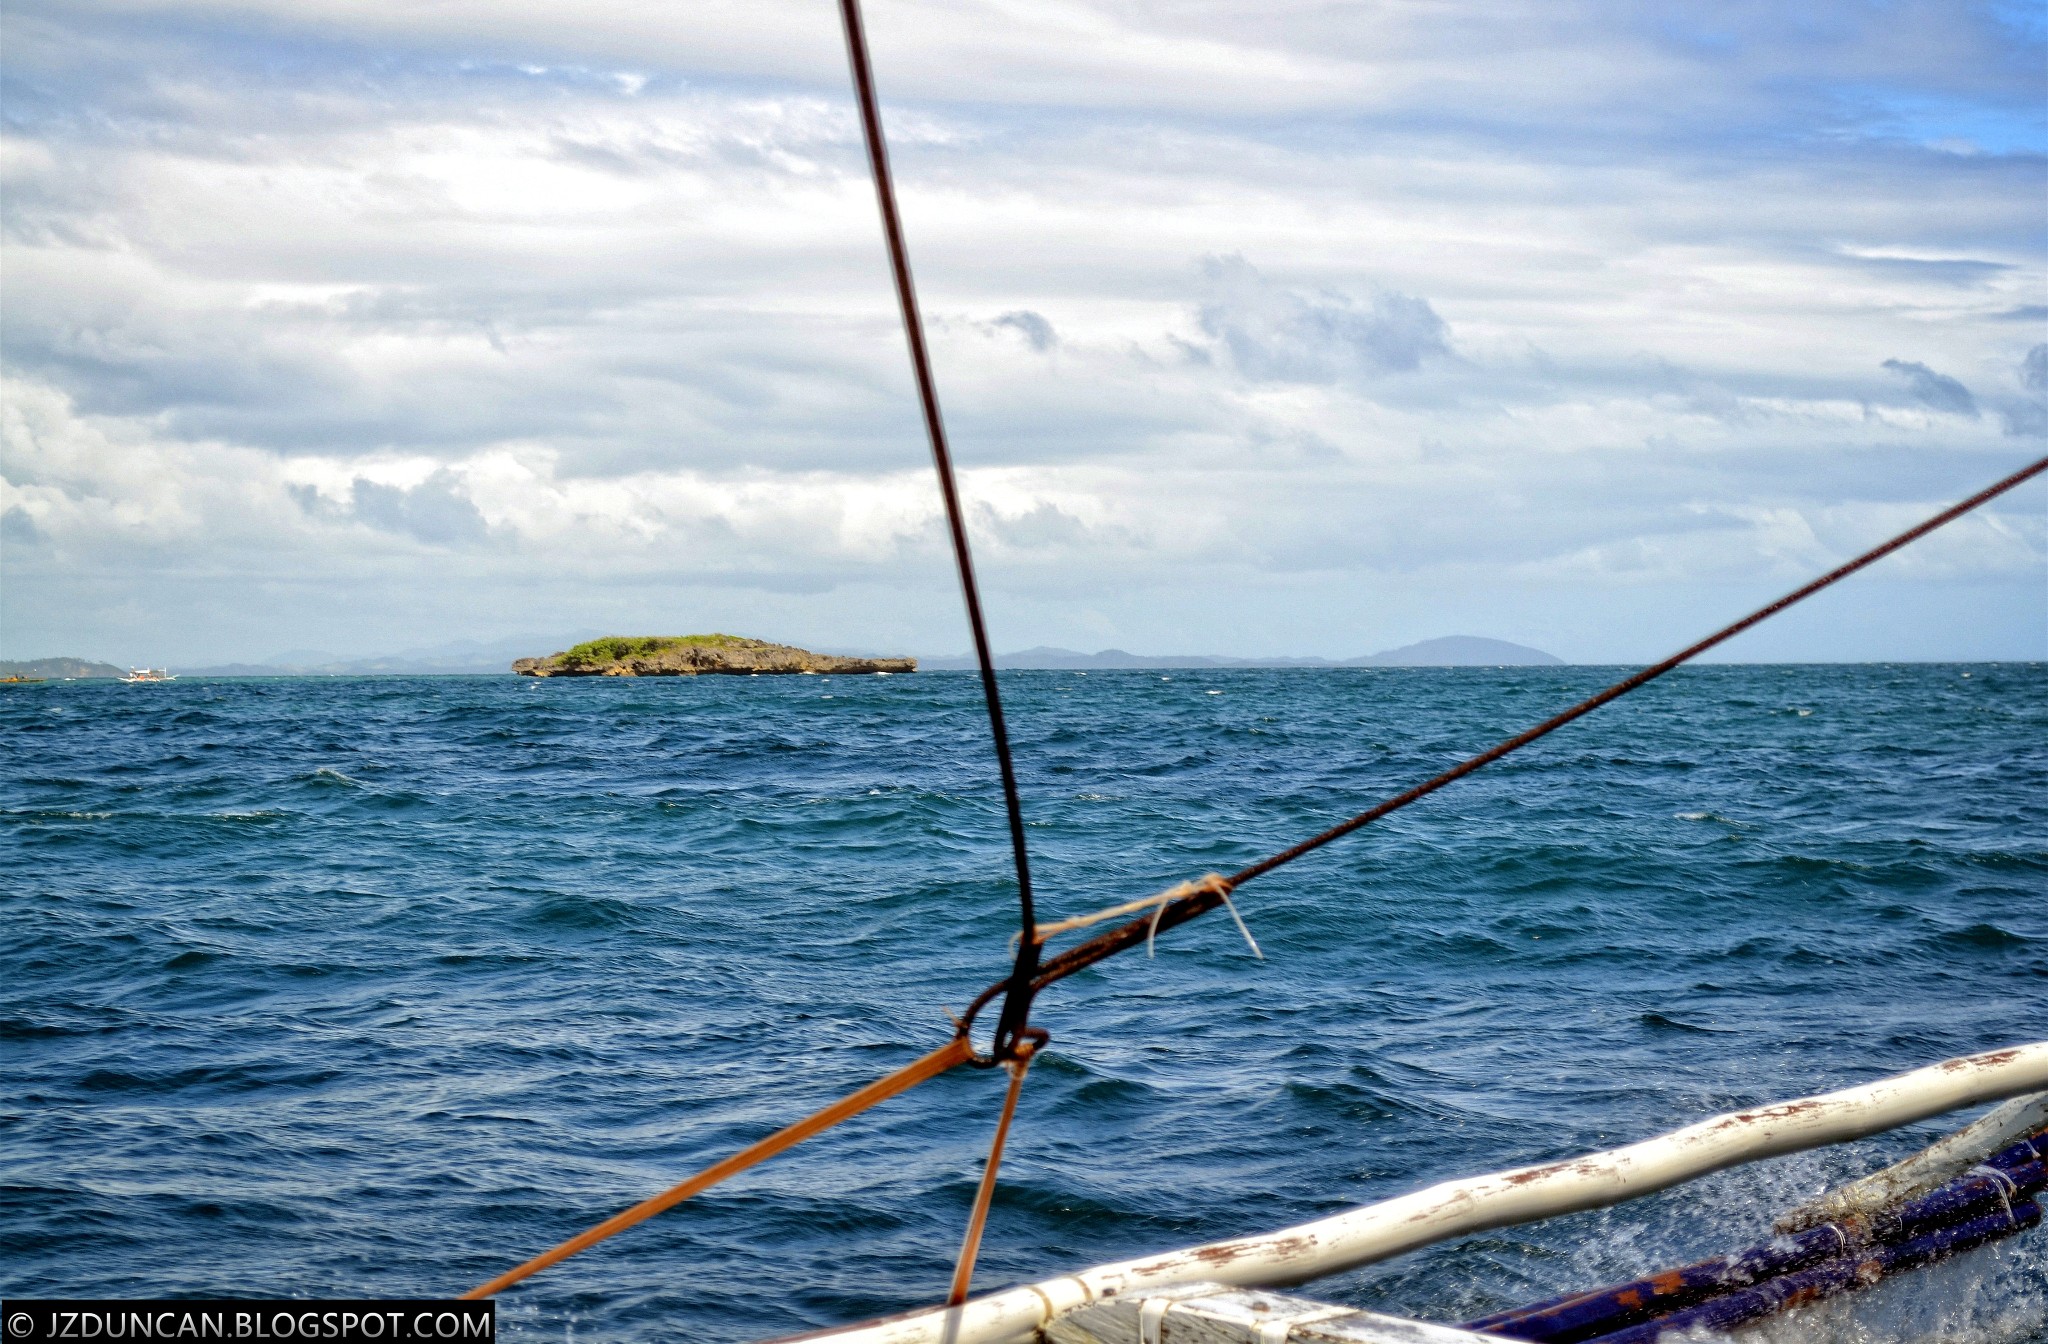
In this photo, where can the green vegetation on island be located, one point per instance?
(615, 648)
(697, 655)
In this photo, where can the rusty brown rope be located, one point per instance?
(1015, 1039)
(954, 1052)
(984, 1195)
(1211, 895)
(1202, 897)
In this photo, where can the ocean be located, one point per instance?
(364, 987)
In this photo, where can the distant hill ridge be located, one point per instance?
(59, 668)
(470, 656)
(1463, 651)
(1449, 651)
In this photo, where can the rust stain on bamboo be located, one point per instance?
(1785, 1112)
(1227, 1252)
(1537, 1173)
(1991, 1060)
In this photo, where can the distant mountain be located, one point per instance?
(1049, 658)
(495, 656)
(1462, 651)
(1046, 657)
(55, 668)
(1450, 651)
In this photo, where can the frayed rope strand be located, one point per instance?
(1213, 884)
(1218, 884)
(1250, 941)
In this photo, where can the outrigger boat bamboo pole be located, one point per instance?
(1455, 1208)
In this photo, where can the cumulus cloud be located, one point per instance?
(1280, 333)
(17, 527)
(1036, 331)
(437, 511)
(1936, 390)
(1225, 303)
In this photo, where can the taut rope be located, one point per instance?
(1016, 1013)
(1015, 1040)
(1212, 893)
(955, 1051)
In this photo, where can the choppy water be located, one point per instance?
(376, 987)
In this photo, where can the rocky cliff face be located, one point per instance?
(697, 655)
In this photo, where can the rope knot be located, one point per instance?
(1212, 884)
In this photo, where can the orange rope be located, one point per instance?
(955, 1051)
(963, 1269)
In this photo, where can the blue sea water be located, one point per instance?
(369, 987)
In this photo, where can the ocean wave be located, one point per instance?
(450, 969)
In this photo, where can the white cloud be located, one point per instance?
(1222, 299)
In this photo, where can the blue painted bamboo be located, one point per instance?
(1807, 1286)
(1585, 1316)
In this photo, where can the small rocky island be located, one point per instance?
(697, 655)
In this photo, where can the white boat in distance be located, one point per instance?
(139, 675)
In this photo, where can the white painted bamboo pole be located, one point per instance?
(1455, 1208)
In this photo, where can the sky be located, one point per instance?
(1272, 328)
